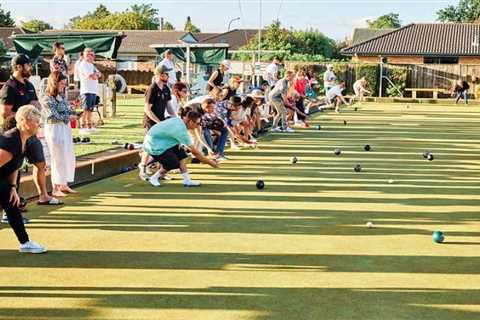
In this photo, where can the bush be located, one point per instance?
(371, 74)
(397, 75)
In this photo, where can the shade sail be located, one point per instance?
(104, 44)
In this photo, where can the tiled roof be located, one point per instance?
(6, 32)
(236, 38)
(446, 39)
(364, 34)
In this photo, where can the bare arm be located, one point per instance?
(149, 112)
(213, 77)
(170, 109)
(199, 137)
(202, 158)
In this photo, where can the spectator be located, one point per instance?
(158, 99)
(59, 134)
(179, 95)
(12, 146)
(216, 79)
(231, 90)
(461, 91)
(329, 78)
(300, 86)
(58, 62)
(263, 110)
(335, 96)
(164, 143)
(359, 87)
(278, 99)
(89, 76)
(168, 65)
(17, 92)
(211, 123)
(271, 72)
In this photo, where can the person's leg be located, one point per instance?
(36, 157)
(207, 135)
(222, 141)
(14, 215)
(338, 102)
(465, 96)
(301, 107)
(283, 116)
(458, 97)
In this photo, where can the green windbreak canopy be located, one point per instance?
(105, 44)
(202, 54)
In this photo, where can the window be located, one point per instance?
(440, 60)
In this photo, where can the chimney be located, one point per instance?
(161, 23)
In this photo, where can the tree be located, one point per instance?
(190, 27)
(6, 19)
(387, 21)
(308, 45)
(3, 49)
(137, 17)
(465, 11)
(36, 25)
(168, 26)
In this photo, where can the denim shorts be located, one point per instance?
(88, 101)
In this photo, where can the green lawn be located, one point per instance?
(299, 249)
(127, 126)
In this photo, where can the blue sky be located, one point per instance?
(334, 18)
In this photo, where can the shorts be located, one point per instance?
(330, 101)
(171, 158)
(34, 150)
(88, 101)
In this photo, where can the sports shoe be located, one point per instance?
(32, 247)
(191, 183)
(154, 182)
(277, 129)
(289, 130)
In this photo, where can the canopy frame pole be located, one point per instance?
(188, 65)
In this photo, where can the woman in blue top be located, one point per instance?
(58, 134)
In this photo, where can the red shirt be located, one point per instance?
(301, 87)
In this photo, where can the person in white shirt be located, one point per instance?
(329, 78)
(335, 97)
(179, 95)
(359, 88)
(89, 76)
(76, 70)
(271, 72)
(167, 62)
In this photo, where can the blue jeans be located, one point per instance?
(220, 149)
(460, 95)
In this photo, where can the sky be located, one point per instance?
(336, 19)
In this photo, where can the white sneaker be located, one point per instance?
(277, 129)
(289, 130)
(154, 182)
(32, 247)
(191, 183)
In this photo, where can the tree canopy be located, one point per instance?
(137, 17)
(387, 21)
(36, 25)
(168, 26)
(6, 19)
(465, 11)
(190, 27)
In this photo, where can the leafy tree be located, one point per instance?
(308, 45)
(3, 49)
(168, 26)
(387, 21)
(465, 11)
(36, 25)
(137, 17)
(6, 19)
(190, 27)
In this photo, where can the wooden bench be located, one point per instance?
(434, 91)
(139, 88)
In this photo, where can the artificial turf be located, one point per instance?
(299, 249)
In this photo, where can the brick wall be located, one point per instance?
(469, 60)
(405, 60)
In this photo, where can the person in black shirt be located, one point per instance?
(12, 153)
(158, 99)
(216, 79)
(17, 92)
(460, 91)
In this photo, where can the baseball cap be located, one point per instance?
(20, 60)
(162, 69)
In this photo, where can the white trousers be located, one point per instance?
(62, 153)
